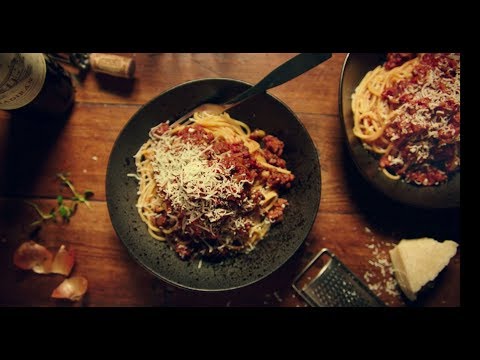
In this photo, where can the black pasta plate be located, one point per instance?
(262, 111)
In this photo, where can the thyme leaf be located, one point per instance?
(63, 210)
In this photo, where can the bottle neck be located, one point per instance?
(22, 76)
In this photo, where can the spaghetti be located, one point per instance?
(210, 187)
(407, 111)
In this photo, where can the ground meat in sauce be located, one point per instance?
(274, 160)
(160, 220)
(161, 129)
(278, 179)
(242, 166)
(426, 176)
(273, 144)
(196, 134)
(239, 160)
(276, 212)
(397, 59)
(419, 156)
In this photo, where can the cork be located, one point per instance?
(114, 65)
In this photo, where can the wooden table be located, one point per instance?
(353, 221)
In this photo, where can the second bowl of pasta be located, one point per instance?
(401, 117)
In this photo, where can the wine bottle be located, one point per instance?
(34, 83)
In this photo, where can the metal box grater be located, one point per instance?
(335, 285)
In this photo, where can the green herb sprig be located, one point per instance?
(63, 210)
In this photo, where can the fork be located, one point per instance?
(289, 70)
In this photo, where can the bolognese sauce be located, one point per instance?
(211, 194)
(408, 112)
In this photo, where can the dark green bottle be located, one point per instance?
(34, 83)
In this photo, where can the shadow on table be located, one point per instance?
(30, 140)
(116, 85)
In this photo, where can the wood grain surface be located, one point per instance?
(354, 221)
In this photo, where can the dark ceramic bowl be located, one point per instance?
(263, 112)
(446, 195)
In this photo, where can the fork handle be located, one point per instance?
(291, 69)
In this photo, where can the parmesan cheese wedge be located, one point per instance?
(418, 261)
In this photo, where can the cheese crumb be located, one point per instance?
(379, 277)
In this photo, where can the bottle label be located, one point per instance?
(21, 78)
